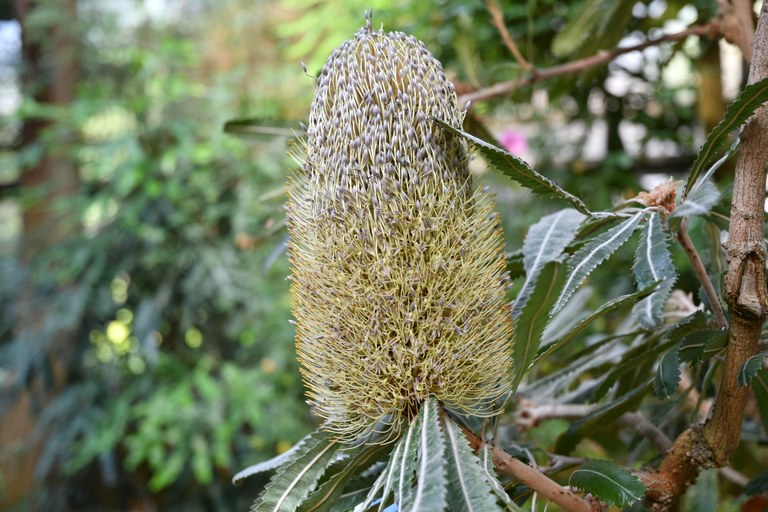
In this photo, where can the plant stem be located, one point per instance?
(497, 16)
(701, 273)
(534, 479)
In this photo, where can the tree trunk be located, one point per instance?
(713, 443)
(49, 76)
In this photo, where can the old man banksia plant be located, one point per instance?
(404, 332)
(398, 275)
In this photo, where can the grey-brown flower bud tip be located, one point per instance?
(398, 272)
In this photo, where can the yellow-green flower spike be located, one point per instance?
(398, 274)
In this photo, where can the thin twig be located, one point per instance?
(600, 58)
(498, 20)
(537, 481)
(531, 415)
(701, 273)
(648, 430)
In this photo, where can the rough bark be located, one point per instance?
(712, 444)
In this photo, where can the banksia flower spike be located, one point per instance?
(398, 275)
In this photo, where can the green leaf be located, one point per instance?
(545, 242)
(468, 487)
(749, 100)
(486, 462)
(358, 488)
(699, 345)
(632, 361)
(579, 27)
(668, 374)
(593, 253)
(757, 485)
(602, 417)
(327, 494)
(699, 202)
(533, 319)
(606, 308)
(268, 128)
(297, 478)
(431, 484)
(518, 170)
(653, 264)
(273, 463)
(385, 480)
(703, 496)
(609, 482)
(750, 368)
(760, 389)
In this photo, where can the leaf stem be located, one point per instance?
(701, 273)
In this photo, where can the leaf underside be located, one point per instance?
(593, 253)
(468, 487)
(545, 242)
(653, 264)
(296, 479)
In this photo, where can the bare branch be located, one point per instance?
(701, 273)
(498, 20)
(603, 57)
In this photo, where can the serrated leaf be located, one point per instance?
(738, 111)
(703, 178)
(326, 495)
(633, 360)
(750, 368)
(600, 417)
(431, 483)
(297, 478)
(545, 242)
(355, 491)
(592, 254)
(273, 463)
(667, 376)
(757, 485)
(486, 463)
(604, 309)
(468, 487)
(653, 264)
(696, 321)
(404, 473)
(699, 345)
(578, 28)
(700, 201)
(386, 480)
(760, 389)
(609, 482)
(518, 170)
(533, 319)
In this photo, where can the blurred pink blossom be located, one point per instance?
(514, 141)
